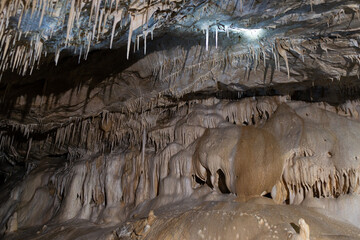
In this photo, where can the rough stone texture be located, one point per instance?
(203, 122)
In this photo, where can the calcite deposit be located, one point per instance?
(173, 119)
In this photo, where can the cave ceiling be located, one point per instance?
(177, 49)
(62, 61)
(110, 109)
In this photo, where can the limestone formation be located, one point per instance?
(304, 233)
(143, 226)
(228, 119)
(12, 224)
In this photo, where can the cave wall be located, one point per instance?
(200, 101)
(293, 150)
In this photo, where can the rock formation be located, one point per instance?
(304, 233)
(228, 119)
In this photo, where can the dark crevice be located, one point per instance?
(268, 195)
(198, 180)
(222, 182)
(208, 180)
(334, 93)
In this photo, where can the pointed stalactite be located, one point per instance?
(70, 21)
(80, 52)
(57, 55)
(207, 38)
(145, 36)
(227, 31)
(43, 11)
(137, 43)
(130, 36)
(117, 18)
(97, 10)
(93, 3)
(282, 53)
(34, 4)
(28, 150)
(99, 26)
(143, 145)
(7, 43)
(216, 37)
(88, 45)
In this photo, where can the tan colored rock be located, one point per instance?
(304, 233)
(12, 224)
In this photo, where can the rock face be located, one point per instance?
(206, 119)
(293, 149)
(232, 153)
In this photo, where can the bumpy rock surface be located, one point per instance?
(205, 120)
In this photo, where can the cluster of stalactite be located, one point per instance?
(80, 25)
(305, 179)
(106, 131)
(84, 23)
(159, 165)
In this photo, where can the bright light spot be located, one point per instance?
(249, 33)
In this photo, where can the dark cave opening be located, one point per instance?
(222, 182)
(198, 180)
(267, 195)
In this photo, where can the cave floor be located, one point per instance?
(255, 219)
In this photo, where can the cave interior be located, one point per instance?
(180, 119)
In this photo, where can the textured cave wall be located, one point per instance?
(270, 144)
(206, 114)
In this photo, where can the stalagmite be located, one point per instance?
(304, 233)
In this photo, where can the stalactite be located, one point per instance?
(80, 52)
(70, 21)
(117, 17)
(130, 36)
(28, 151)
(207, 38)
(57, 55)
(216, 37)
(100, 22)
(97, 9)
(88, 45)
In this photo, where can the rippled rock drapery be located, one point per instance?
(249, 147)
(207, 108)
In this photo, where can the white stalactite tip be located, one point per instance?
(216, 37)
(207, 38)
